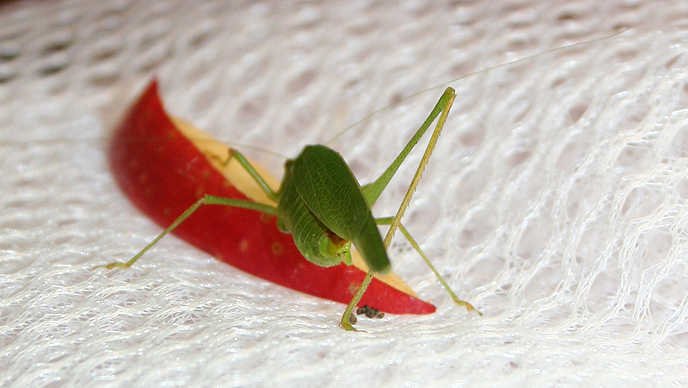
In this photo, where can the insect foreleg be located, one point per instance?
(414, 244)
(206, 200)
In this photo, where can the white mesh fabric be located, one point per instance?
(555, 201)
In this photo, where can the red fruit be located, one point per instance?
(162, 171)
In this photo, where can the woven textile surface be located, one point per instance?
(556, 201)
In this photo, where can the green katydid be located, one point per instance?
(322, 205)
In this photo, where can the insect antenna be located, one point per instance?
(474, 73)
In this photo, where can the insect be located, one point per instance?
(322, 205)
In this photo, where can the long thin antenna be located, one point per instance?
(485, 70)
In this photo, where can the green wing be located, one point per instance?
(329, 189)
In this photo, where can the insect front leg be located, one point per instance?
(414, 244)
(205, 200)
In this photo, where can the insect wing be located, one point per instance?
(329, 189)
(369, 244)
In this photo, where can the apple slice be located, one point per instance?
(164, 165)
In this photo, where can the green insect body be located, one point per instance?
(322, 205)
